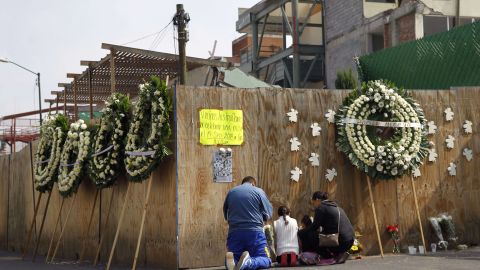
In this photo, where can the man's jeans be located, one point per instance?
(252, 241)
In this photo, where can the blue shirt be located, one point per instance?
(246, 207)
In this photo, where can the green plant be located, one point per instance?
(345, 80)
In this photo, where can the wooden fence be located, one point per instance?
(185, 202)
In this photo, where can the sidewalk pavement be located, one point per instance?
(446, 260)
(451, 260)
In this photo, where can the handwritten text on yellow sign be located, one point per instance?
(221, 127)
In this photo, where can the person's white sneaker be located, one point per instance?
(244, 261)
(229, 261)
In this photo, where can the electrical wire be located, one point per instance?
(158, 40)
(147, 36)
(160, 36)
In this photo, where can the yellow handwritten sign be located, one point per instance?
(221, 127)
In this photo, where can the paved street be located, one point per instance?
(467, 259)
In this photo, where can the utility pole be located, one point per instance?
(181, 20)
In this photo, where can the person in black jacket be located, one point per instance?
(308, 241)
(327, 216)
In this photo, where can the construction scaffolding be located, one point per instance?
(299, 22)
(17, 130)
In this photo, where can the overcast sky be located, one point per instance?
(52, 36)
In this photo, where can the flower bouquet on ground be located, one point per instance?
(448, 229)
(357, 246)
(435, 222)
(394, 233)
(268, 230)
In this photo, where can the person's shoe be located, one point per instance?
(244, 261)
(342, 257)
(323, 262)
(229, 261)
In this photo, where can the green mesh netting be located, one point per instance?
(439, 61)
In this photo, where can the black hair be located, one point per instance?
(306, 221)
(248, 179)
(284, 211)
(320, 195)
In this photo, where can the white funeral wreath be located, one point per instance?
(382, 130)
(47, 157)
(74, 154)
(149, 130)
(106, 161)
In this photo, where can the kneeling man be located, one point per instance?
(246, 208)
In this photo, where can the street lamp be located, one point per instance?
(5, 60)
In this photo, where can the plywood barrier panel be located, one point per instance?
(201, 225)
(50, 219)
(4, 180)
(267, 152)
(159, 241)
(429, 182)
(77, 224)
(20, 199)
(470, 201)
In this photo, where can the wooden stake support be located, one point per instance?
(143, 222)
(374, 215)
(418, 214)
(63, 229)
(118, 227)
(102, 237)
(55, 230)
(41, 226)
(34, 220)
(85, 235)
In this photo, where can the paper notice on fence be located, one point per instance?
(222, 166)
(221, 127)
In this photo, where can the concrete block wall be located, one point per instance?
(342, 17)
(340, 54)
(342, 42)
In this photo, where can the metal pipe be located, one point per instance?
(296, 53)
(254, 43)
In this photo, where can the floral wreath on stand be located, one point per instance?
(104, 166)
(382, 130)
(149, 130)
(74, 155)
(47, 157)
